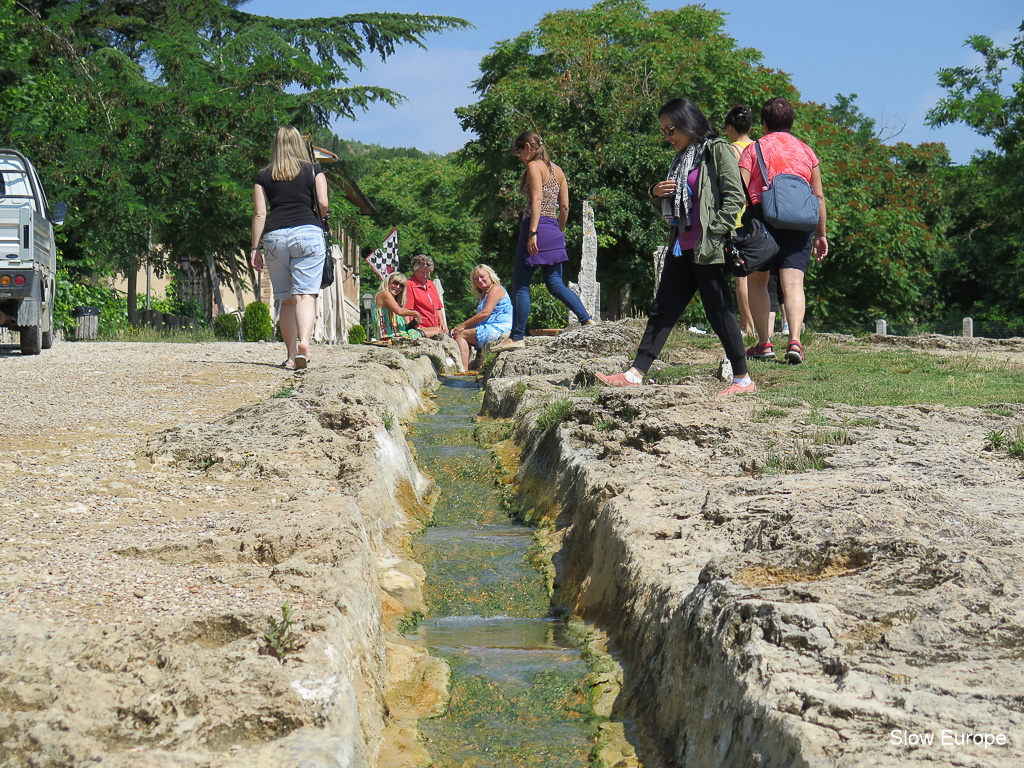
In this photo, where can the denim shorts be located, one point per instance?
(295, 259)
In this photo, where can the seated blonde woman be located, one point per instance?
(391, 318)
(493, 316)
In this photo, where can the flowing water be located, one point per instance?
(518, 692)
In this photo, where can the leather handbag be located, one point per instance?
(752, 248)
(327, 279)
(789, 201)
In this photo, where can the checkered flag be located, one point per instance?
(384, 260)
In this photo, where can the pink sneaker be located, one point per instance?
(618, 380)
(738, 389)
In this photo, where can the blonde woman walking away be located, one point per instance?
(293, 240)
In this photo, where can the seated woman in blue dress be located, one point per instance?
(493, 316)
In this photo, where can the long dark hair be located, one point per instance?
(687, 118)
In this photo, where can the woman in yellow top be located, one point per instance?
(737, 128)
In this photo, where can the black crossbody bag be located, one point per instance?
(328, 276)
(752, 247)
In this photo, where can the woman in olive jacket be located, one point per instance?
(700, 199)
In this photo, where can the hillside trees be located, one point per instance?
(984, 275)
(159, 113)
(591, 83)
(425, 197)
(887, 215)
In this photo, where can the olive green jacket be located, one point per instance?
(720, 191)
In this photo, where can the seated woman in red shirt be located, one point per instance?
(421, 295)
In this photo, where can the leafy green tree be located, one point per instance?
(157, 113)
(590, 82)
(426, 197)
(887, 215)
(984, 276)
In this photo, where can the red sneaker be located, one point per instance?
(762, 351)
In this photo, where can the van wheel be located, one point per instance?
(48, 335)
(31, 339)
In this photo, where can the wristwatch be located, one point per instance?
(533, 234)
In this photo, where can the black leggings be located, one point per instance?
(680, 279)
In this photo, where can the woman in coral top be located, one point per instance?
(422, 296)
(782, 153)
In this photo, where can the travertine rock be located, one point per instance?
(824, 618)
(144, 643)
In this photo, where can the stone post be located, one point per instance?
(880, 328)
(968, 327)
(588, 289)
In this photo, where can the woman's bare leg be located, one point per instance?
(760, 305)
(305, 315)
(288, 327)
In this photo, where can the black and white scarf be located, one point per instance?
(677, 208)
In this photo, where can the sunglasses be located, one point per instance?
(669, 132)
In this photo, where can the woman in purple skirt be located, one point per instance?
(541, 239)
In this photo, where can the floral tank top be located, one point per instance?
(549, 199)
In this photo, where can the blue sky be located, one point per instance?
(885, 51)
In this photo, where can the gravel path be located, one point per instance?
(77, 497)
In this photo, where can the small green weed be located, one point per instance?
(800, 459)
(281, 638)
(864, 422)
(488, 363)
(594, 393)
(763, 413)
(519, 390)
(833, 437)
(389, 420)
(994, 440)
(817, 417)
(999, 440)
(409, 622)
(285, 391)
(555, 412)
(605, 426)
(628, 411)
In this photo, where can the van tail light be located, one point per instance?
(19, 279)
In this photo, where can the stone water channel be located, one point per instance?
(518, 695)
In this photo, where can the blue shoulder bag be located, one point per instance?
(788, 202)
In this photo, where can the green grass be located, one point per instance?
(863, 375)
(763, 412)
(555, 412)
(146, 334)
(285, 391)
(800, 458)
